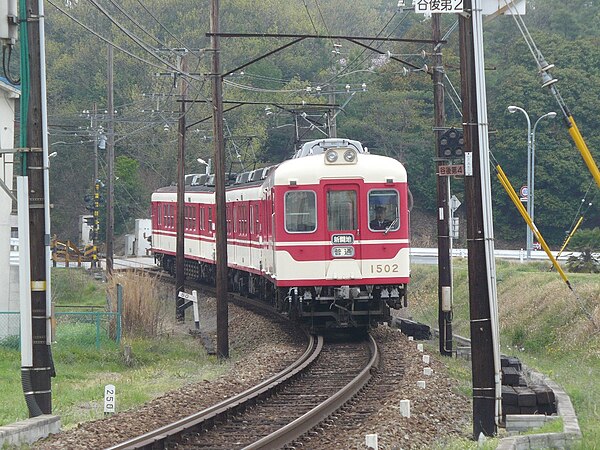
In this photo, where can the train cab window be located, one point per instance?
(341, 211)
(300, 212)
(383, 210)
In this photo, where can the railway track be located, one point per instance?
(278, 410)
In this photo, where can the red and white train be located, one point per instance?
(324, 236)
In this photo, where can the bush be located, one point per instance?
(143, 314)
(586, 241)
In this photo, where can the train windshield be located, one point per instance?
(341, 210)
(300, 211)
(383, 210)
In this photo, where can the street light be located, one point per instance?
(207, 164)
(550, 115)
(530, 168)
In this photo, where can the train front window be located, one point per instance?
(383, 210)
(300, 211)
(341, 211)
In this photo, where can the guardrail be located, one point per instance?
(502, 254)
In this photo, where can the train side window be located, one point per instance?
(300, 211)
(383, 210)
(228, 219)
(202, 218)
(341, 210)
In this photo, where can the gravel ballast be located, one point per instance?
(438, 411)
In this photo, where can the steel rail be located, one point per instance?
(315, 416)
(154, 438)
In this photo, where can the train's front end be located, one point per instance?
(341, 244)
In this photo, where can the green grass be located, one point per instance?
(158, 364)
(541, 322)
(75, 287)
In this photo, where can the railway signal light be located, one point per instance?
(452, 144)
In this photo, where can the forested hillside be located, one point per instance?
(392, 113)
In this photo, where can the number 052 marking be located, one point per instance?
(384, 268)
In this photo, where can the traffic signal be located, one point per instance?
(452, 144)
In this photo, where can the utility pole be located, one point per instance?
(443, 200)
(219, 157)
(110, 163)
(332, 114)
(36, 378)
(179, 253)
(482, 345)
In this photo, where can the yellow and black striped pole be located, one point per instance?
(583, 149)
(515, 199)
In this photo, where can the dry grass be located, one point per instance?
(547, 313)
(143, 314)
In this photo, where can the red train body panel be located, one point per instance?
(324, 236)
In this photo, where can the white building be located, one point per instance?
(9, 298)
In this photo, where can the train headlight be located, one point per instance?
(331, 156)
(349, 155)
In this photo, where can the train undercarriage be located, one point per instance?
(318, 307)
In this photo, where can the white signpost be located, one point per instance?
(193, 297)
(109, 399)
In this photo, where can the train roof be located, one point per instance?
(309, 166)
(312, 169)
(319, 146)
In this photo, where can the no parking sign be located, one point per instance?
(524, 193)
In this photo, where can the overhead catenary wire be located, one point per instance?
(133, 37)
(136, 23)
(163, 27)
(310, 17)
(120, 48)
(102, 38)
(322, 18)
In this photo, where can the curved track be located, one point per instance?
(206, 418)
(278, 410)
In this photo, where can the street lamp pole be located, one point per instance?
(530, 169)
(512, 109)
(550, 115)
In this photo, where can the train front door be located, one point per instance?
(343, 211)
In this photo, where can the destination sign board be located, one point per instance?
(342, 239)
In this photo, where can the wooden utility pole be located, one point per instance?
(219, 157)
(482, 346)
(110, 163)
(443, 200)
(179, 251)
(36, 379)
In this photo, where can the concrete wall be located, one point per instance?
(8, 97)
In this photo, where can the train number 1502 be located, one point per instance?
(384, 268)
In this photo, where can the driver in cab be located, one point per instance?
(379, 222)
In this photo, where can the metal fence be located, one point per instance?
(84, 328)
(10, 327)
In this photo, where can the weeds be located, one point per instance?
(143, 313)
